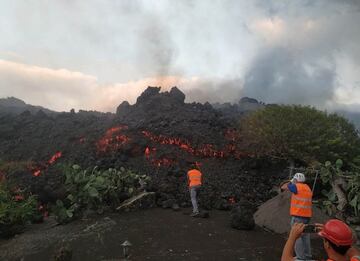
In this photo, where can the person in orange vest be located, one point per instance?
(337, 241)
(300, 212)
(194, 177)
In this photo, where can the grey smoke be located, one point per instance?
(303, 69)
(120, 43)
(155, 47)
(213, 91)
(278, 76)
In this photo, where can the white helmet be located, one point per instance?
(299, 177)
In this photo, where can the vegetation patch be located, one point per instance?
(16, 210)
(96, 190)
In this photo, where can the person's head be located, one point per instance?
(337, 237)
(298, 177)
(196, 165)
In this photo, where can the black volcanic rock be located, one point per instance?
(152, 99)
(167, 114)
(242, 216)
(248, 100)
(177, 95)
(35, 138)
(41, 114)
(123, 108)
(147, 94)
(233, 112)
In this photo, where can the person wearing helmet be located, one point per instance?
(300, 212)
(337, 241)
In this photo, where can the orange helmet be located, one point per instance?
(337, 232)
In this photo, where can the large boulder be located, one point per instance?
(147, 94)
(177, 95)
(123, 108)
(242, 216)
(274, 214)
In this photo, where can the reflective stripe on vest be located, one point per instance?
(194, 177)
(301, 203)
(354, 258)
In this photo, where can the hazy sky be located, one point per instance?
(94, 54)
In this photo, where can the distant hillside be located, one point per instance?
(14, 105)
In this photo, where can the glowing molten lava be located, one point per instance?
(150, 155)
(55, 157)
(37, 170)
(37, 173)
(162, 162)
(205, 150)
(147, 152)
(112, 139)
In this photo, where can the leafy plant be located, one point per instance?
(16, 210)
(95, 189)
(64, 214)
(329, 172)
(354, 192)
(329, 207)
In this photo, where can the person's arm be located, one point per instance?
(289, 186)
(292, 187)
(295, 233)
(284, 186)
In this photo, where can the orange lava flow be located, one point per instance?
(37, 171)
(55, 157)
(112, 139)
(205, 150)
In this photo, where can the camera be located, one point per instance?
(310, 228)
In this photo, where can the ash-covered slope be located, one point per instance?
(37, 136)
(173, 132)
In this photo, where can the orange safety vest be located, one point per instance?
(194, 177)
(301, 203)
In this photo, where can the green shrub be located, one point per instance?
(94, 189)
(300, 133)
(353, 191)
(351, 177)
(16, 210)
